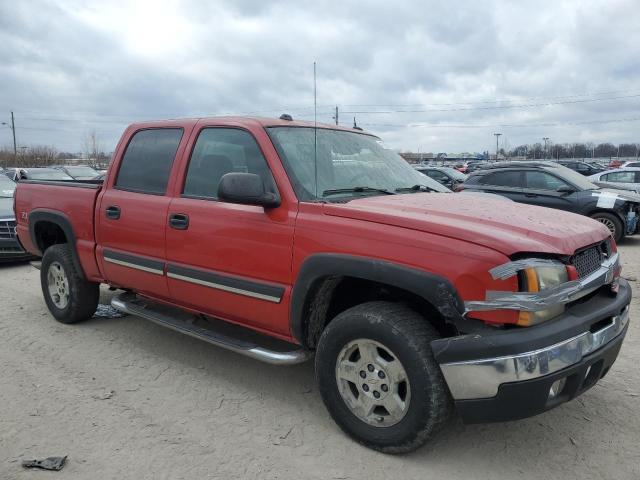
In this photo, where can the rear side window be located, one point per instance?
(503, 179)
(219, 151)
(148, 159)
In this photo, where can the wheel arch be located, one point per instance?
(47, 228)
(330, 283)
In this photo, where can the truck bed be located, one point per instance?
(74, 200)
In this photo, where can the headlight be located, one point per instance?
(537, 279)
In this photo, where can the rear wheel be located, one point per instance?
(612, 222)
(68, 296)
(378, 378)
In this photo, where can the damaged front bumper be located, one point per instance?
(508, 374)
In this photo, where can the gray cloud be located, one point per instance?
(70, 67)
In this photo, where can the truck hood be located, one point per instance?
(507, 227)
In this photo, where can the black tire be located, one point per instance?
(83, 296)
(408, 335)
(612, 222)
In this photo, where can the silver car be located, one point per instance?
(623, 178)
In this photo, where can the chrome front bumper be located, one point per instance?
(479, 379)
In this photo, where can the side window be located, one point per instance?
(581, 167)
(620, 177)
(148, 159)
(508, 178)
(634, 164)
(437, 176)
(219, 151)
(538, 180)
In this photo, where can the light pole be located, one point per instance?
(13, 130)
(546, 139)
(497, 137)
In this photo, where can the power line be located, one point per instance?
(529, 125)
(554, 97)
(496, 107)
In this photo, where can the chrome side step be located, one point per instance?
(223, 334)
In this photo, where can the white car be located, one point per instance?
(625, 178)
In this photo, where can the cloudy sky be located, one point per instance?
(433, 76)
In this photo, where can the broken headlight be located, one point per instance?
(537, 279)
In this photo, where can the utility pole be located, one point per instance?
(335, 117)
(13, 130)
(497, 137)
(546, 139)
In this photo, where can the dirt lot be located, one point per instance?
(127, 399)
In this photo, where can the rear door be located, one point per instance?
(132, 215)
(507, 183)
(228, 260)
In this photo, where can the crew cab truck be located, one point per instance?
(284, 240)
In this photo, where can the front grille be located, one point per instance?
(589, 260)
(7, 229)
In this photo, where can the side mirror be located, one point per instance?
(566, 189)
(247, 189)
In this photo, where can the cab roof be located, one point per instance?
(248, 121)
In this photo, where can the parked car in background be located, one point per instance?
(627, 178)
(461, 167)
(582, 168)
(449, 177)
(80, 172)
(473, 166)
(549, 184)
(43, 174)
(10, 248)
(616, 163)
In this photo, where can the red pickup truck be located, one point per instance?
(282, 240)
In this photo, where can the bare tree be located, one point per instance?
(93, 149)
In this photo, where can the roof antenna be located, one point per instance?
(315, 128)
(355, 125)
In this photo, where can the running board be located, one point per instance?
(223, 334)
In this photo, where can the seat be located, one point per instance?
(204, 177)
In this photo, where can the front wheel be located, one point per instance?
(378, 378)
(612, 222)
(68, 296)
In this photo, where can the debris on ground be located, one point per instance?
(49, 463)
(105, 395)
(573, 440)
(107, 311)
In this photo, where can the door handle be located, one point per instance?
(113, 212)
(179, 221)
(530, 195)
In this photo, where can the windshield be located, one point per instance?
(349, 164)
(47, 174)
(7, 187)
(576, 178)
(86, 172)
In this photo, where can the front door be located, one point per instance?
(132, 214)
(541, 188)
(228, 260)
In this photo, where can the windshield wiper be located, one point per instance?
(336, 191)
(416, 188)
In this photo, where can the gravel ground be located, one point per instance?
(124, 398)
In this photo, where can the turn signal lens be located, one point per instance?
(537, 280)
